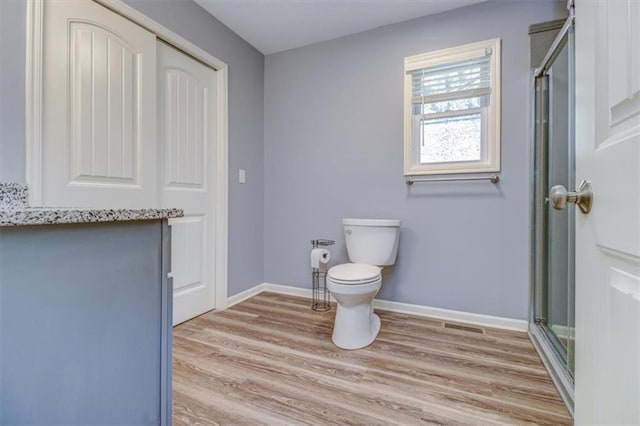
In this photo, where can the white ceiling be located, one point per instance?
(275, 25)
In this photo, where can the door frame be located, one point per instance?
(33, 121)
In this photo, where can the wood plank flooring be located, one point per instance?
(270, 360)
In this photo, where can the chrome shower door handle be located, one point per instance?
(582, 197)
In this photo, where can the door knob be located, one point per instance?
(583, 197)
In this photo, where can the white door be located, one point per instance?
(186, 135)
(130, 122)
(607, 377)
(99, 108)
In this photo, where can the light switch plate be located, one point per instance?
(242, 176)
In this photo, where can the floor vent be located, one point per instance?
(460, 327)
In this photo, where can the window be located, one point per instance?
(452, 110)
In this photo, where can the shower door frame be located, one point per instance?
(553, 360)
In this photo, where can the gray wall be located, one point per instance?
(332, 127)
(333, 149)
(246, 91)
(12, 57)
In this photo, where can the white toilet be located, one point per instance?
(371, 244)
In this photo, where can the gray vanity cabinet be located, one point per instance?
(85, 324)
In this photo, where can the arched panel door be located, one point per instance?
(99, 103)
(186, 137)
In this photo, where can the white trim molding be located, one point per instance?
(222, 190)
(34, 103)
(162, 32)
(288, 290)
(246, 294)
(272, 288)
(450, 315)
(502, 323)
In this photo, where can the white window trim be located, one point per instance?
(490, 161)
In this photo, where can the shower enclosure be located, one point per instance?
(553, 297)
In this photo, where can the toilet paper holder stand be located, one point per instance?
(320, 295)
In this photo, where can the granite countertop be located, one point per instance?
(14, 211)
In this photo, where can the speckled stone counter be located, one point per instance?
(15, 212)
(13, 195)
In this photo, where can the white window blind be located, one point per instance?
(463, 79)
(452, 110)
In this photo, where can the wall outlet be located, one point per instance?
(242, 176)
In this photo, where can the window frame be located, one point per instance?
(490, 127)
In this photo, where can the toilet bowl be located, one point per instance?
(371, 244)
(354, 285)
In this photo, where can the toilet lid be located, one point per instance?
(356, 272)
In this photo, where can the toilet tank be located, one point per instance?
(372, 241)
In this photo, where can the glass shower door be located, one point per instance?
(560, 223)
(554, 288)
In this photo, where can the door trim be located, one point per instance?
(33, 101)
(33, 121)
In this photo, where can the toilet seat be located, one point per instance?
(354, 274)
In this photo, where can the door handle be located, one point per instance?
(583, 197)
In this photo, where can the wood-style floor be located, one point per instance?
(270, 360)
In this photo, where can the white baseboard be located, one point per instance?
(450, 315)
(398, 307)
(273, 288)
(244, 295)
(288, 290)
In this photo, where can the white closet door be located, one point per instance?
(186, 135)
(99, 106)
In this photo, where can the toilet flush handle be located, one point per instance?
(347, 231)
